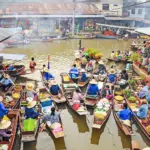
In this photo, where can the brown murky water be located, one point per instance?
(78, 132)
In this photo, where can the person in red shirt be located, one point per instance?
(32, 64)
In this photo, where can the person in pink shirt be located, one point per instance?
(77, 96)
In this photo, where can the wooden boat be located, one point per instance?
(67, 85)
(13, 115)
(19, 70)
(140, 71)
(117, 106)
(102, 36)
(54, 97)
(117, 60)
(69, 102)
(134, 107)
(15, 103)
(99, 123)
(43, 97)
(28, 136)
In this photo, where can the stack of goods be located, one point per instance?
(56, 127)
(118, 102)
(101, 110)
(71, 85)
(45, 102)
(29, 124)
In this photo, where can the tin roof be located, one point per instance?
(49, 9)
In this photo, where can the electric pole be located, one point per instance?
(73, 18)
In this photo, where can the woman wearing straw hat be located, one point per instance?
(6, 82)
(3, 110)
(55, 89)
(4, 133)
(93, 89)
(102, 68)
(30, 90)
(30, 112)
(112, 76)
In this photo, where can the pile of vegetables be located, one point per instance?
(92, 53)
(127, 93)
(132, 99)
(135, 57)
(132, 83)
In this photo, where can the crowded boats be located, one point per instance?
(90, 84)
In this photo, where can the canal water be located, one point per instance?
(79, 134)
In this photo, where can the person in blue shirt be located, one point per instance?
(83, 76)
(143, 110)
(93, 88)
(74, 72)
(112, 76)
(11, 68)
(30, 112)
(6, 82)
(48, 75)
(144, 91)
(126, 113)
(3, 110)
(54, 89)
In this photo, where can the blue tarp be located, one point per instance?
(12, 56)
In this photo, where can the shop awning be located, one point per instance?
(143, 30)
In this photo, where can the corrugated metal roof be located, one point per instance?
(49, 8)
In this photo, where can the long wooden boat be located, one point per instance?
(15, 93)
(69, 102)
(99, 123)
(67, 85)
(117, 106)
(13, 115)
(140, 71)
(28, 136)
(19, 70)
(138, 120)
(54, 97)
(117, 60)
(45, 106)
(101, 36)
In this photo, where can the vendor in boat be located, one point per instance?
(124, 75)
(126, 113)
(83, 62)
(32, 64)
(51, 118)
(89, 66)
(6, 82)
(29, 110)
(77, 62)
(129, 66)
(96, 68)
(74, 72)
(107, 93)
(10, 67)
(102, 68)
(93, 89)
(143, 110)
(3, 110)
(47, 75)
(144, 91)
(5, 134)
(112, 56)
(44, 69)
(112, 77)
(84, 77)
(30, 90)
(55, 89)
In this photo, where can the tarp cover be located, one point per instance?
(7, 32)
(143, 30)
(12, 56)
